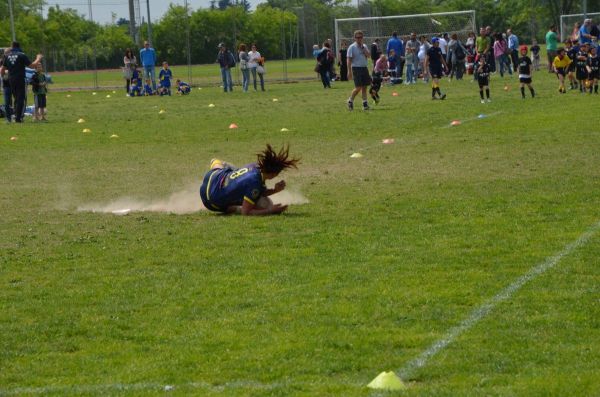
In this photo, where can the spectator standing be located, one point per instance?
(244, 59)
(412, 58)
(6, 91)
(254, 63)
(342, 61)
(375, 51)
(324, 59)
(226, 62)
(148, 59)
(444, 47)
(394, 43)
(40, 89)
(15, 62)
(513, 46)
(358, 69)
(422, 55)
(585, 32)
(129, 61)
(470, 43)
(551, 46)
(500, 54)
(535, 53)
(457, 54)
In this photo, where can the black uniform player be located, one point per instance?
(593, 66)
(571, 49)
(525, 72)
(435, 62)
(483, 78)
(581, 72)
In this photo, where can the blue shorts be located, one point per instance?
(209, 190)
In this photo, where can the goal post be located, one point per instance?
(460, 22)
(567, 22)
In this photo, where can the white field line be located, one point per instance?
(483, 310)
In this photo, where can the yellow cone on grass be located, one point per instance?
(212, 105)
(284, 130)
(114, 136)
(86, 130)
(356, 155)
(81, 121)
(387, 381)
(162, 111)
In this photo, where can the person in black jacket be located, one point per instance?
(15, 62)
(226, 61)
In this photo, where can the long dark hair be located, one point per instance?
(128, 53)
(272, 162)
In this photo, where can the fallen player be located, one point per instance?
(242, 190)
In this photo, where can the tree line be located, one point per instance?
(280, 27)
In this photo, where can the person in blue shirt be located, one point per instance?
(148, 59)
(165, 77)
(513, 46)
(183, 88)
(242, 190)
(585, 32)
(394, 43)
(148, 89)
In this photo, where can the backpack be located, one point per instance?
(459, 52)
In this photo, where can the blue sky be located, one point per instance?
(102, 9)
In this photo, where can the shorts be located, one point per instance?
(483, 81)
(571, 67)
(361, 76)
(581, 75)
(436, 72)
(40, 100)
(525, 80)
(594, 75)
(208, 188)
(560, 71)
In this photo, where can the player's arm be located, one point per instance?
(349, 64)
(279, 186)
(443, 61)
(36, 62)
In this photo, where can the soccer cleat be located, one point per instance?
(482, 101)
(443, 97)
(350, 105)
(366, 107)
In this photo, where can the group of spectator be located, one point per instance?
(250, 62)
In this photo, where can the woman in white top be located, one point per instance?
(255, 62)
(130, 62)
(422, 55)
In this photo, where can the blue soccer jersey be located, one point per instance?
(225, 187)
(165, 77)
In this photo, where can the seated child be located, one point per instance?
(148, 88)
(136, 84)
(183, 88)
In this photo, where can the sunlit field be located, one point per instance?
(472, 248)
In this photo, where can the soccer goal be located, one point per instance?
(567, 23)
(460, 22)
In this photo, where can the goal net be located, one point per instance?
(567, 24)
(460, 22)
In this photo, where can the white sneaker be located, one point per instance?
(489, 100)
(482, 101)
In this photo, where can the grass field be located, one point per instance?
(392, 252)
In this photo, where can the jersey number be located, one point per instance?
(238, 173)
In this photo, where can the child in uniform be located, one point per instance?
(593, 66)
(136, 83)
(483, 78)
(571, 51)
(379, 70)
(560, 65)
(525, 72)
(165, 77)
(148, 88)
(183, 88)
(581, 67)
(40, 89)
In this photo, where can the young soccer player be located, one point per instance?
(581, 67)
(483, 78)
(571, 49)
(136, 84)
(165, 77)
(525, 72)
(148, 88)
(436, 63)
(593, 66)
(183, 88)
(560, 64)
(40, 89)
(242, 190)
(535, 52)
(379, 70)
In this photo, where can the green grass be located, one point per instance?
(201, 75)
(392, 251)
